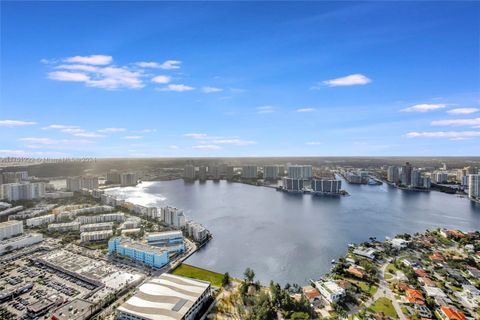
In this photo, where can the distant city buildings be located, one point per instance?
(173, 216)
(113, 177)
(408, 176)
(440, 177)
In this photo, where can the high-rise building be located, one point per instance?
(202, 173)
(128, 179)
(89, 182)
(214, 172)
(300, 171)
(406, 175)
(326, 186)
(249, 172)
(189, 172)
(416, 180)
(22, 191)
(113, 176)
(270, 172)
(392, 174)
(173, 216)
(292, 185)
(14, 177)
(440, 177)
(230, 172)
(474, 186)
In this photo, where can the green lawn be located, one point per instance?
(391, 268)
(384, 305)
(365, 287)
(198, 273)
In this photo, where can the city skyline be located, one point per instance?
(171, 80)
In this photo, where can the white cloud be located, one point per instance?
(12, 153)
(265, 109)
(86, 134)
(49, 141)
(207, 147)
(133, 137)
(237, 142)
(15, 123)
(424, 107)
(196, 135)
(161, 79)
(177, 88)
(59, 126)
(115, 77)
(68, 76)
(444, 134)
(457, 122)
(306, 110)
(174, 147)
(313, 143)
(170, 64)
(78, 67)
(93, 59)
(167, 65)
(109, 130)
(211, 89)
(350, 80)
(463, 110)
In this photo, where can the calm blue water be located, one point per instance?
(293, 238)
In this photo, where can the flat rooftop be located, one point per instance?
(165, 298)
(77, 309)
(142, 247)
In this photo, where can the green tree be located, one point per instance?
(249, 275)
(225, 279)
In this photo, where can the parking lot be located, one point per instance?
(27, 284)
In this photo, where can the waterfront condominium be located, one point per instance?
(300, 171)
(249, 172)
(474, 186)
(189, 172)
(270, 172)
(128, 179)
(393, 174)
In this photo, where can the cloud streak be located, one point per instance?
(457, 122)
(444, 134)
(356, 79)
(424, 107)
(15, 123)
(463, 110)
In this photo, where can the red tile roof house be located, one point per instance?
(421, 273)
(414, 296)
(447, 313)
(427, 281)
(311, 293)
(436, 257)
(359, 273)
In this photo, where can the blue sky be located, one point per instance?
(124, 79)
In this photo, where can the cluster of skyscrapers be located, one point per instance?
(408, 176)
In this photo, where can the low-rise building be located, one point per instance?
(166, 297)
(365, 252)
(38, 221)
(96, 226)
(77, 309)
(10, 229)
(62, 227)
(330, 290)
(447, 313)
(169, 240)
(92, 236)
(149, 255)
(19, 242)
(107, 217)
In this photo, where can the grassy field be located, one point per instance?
(365, 287)
(384, 305)
(199, 273)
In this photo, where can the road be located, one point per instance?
(385, 292)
